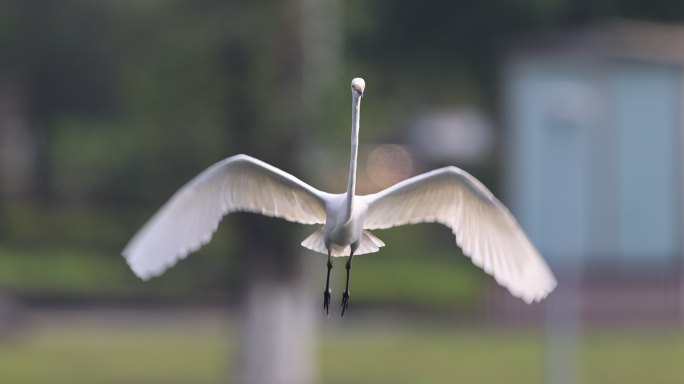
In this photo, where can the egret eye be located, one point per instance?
(358, 84)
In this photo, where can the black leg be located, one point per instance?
(326, 294)
(345, 295)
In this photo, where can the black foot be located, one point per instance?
(345, 301)
(326, 301)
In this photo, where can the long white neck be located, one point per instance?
(351, 185)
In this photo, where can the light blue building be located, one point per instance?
(593, 136)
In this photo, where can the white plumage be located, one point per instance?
(483, 227)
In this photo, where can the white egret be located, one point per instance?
(483, 227)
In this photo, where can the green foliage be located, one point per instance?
(420, 265)
(383, 279)
(63, 273)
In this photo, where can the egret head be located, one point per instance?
(358, 85)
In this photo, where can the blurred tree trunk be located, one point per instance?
(16, 144)
(17, 161)
(279, 317)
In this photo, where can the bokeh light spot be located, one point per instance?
(388, 164)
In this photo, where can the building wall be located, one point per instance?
(594, 170)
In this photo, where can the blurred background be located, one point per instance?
(570, 111)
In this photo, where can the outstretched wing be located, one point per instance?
(484, 228)
(189, 219)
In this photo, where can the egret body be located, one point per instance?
(483, 227)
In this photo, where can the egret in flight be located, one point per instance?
(484, 229)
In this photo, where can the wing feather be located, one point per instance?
(484, 228)
(189, 219)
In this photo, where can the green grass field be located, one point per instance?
(139, 350)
